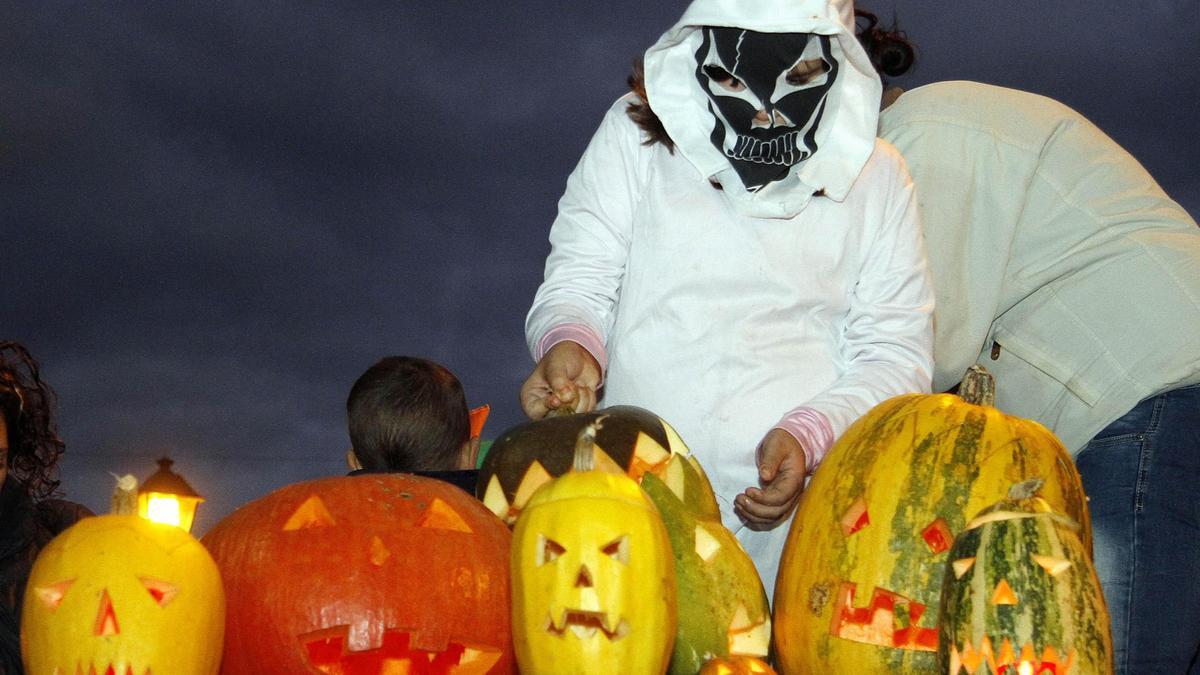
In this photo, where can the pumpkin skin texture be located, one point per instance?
(524, 457)
(736, 665)
(592, 580)
(1021, 595)
(862, 569)
(365, 574)
(723, 607)
(120, 594)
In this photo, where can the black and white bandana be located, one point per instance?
(767, 92)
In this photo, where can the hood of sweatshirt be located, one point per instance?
(842, 131)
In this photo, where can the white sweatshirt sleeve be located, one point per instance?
(590, 237)
(888, 341)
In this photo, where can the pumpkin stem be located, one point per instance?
(561, 412)
(1025, 489)
(978, 387)
(585, 456)
(124, 495)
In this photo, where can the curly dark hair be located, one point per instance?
(889, 48)
(27, 403)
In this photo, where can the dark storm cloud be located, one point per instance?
(213, 217)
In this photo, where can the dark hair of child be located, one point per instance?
(408, 414)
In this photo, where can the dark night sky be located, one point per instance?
(215, 216)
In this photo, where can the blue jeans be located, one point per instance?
(1142, 477)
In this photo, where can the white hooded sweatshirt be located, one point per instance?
(729, 312)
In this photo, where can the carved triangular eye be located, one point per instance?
(494, 499)
(937, 536)
(617, 549)
(535, 477)
(52, 595)
(855, 518)
(706, 544)
(1053, 566)
(312, 513)
(442, 516)
(548, 550)
(162, 591)
(961, 566)
(648, 455)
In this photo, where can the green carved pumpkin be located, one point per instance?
(628, 439)
(1021, 596)
(722, 606)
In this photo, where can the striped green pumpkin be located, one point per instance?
(1020, 596)
(722, 606)
(862, 569)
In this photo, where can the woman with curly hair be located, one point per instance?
(29, 517)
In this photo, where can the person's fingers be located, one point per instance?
(771, 454)
(758, 515)
(533, 394)
(533, 403)
(586, 399)
(784, 488)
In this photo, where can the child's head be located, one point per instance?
(409, 414)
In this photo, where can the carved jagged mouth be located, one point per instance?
(111, 669)
(585, 624)
(889, 620)
(327, 651)
(1008, 661)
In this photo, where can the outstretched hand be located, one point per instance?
(782, 468)
(565, 379)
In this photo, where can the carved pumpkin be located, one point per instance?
(592, 580)
(736, 665)
(369, 574)
(118, 594)
(1021, 595)
(525, 457)
(722, 608)
(862, 569)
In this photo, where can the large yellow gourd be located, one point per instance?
(862, 569)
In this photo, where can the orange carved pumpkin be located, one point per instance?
(368, 575)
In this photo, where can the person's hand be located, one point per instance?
(781, 471)
(565, 379)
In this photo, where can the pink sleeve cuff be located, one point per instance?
(578, 333)
(812, 430)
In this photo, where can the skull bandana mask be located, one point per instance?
(767, 92)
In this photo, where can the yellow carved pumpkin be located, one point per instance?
(593, 586)
(861, 573)
(119, 594)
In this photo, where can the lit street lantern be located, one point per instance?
(165, 497)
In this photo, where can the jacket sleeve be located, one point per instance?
(589, 239)
(888, 339)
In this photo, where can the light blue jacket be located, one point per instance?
(1049, 240)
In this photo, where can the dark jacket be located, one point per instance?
(25, 528)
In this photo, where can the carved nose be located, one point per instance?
(106, 617)
(1004, 594)
(584, 578)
